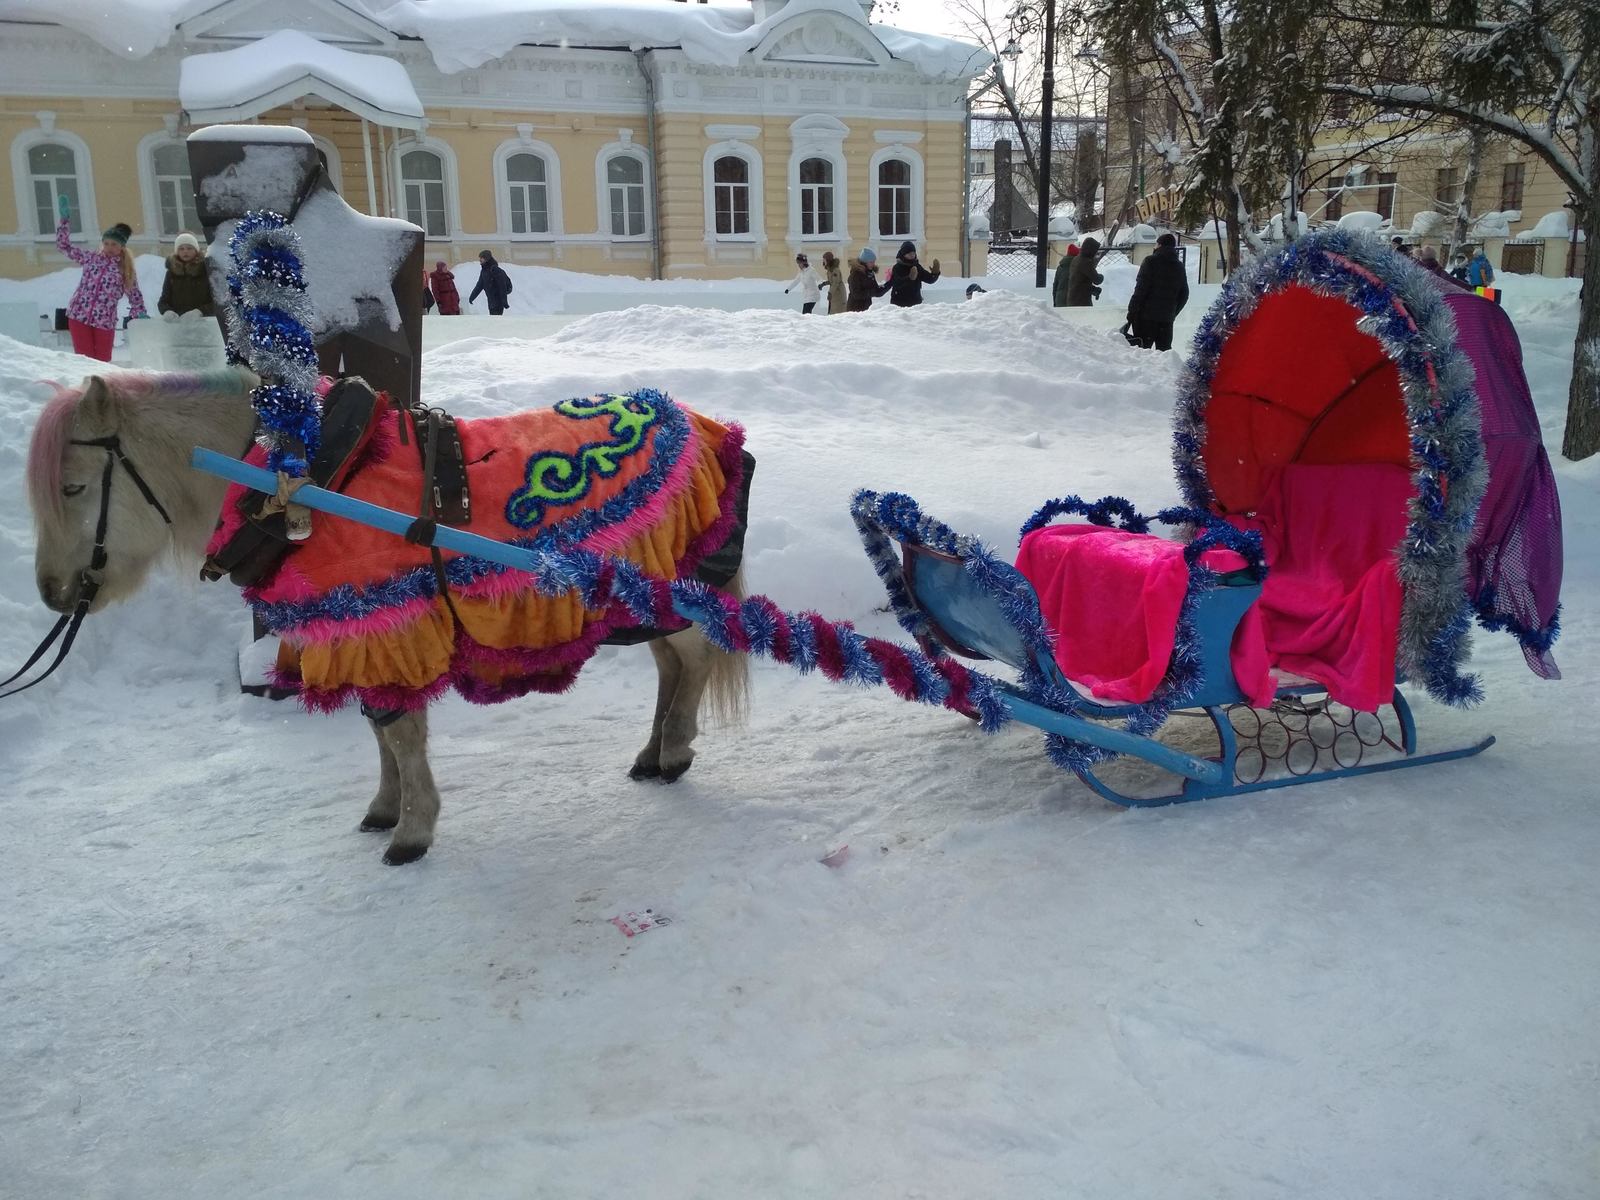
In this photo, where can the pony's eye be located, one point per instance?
(72, 489)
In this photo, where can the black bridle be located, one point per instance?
(89, 577)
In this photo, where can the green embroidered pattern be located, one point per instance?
(557, 479)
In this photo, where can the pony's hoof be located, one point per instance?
(372, 824)
(644, 771)
(399, 856)
(673, 774)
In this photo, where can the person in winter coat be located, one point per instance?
(864, 286)
(493, 282)
(186, 288)
(1159, 294)
(442, 282)
(1428, 259)
(907, 276)
(1058, 282)
(107, 277)
(1083, 284)
(806, 280)
(834, 283)
(1479, 272)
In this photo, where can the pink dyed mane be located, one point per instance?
(48, 448)
(131, 388)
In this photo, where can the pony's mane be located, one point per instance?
(48, 448)
(133, 390)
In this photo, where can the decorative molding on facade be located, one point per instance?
(733, 132)
(822, 37)
(527, 144)
(83, 168)
(819, 136)
(247, 20)
(896, 137)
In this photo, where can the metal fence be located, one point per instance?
(1523, 258)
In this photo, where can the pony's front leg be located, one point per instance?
(384, 812)
(407, 739)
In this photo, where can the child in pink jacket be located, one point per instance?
(107, 277)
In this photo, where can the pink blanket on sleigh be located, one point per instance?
(1329, 610)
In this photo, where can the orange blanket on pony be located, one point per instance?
(359, 610)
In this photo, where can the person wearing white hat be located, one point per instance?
(186, 288)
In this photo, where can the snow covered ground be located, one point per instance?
(210, 986)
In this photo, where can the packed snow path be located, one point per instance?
(210, 986)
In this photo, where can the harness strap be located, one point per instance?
(88, 579)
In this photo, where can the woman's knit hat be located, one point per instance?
(118, 233)
(801, 260)
(186, 239)
(868, 255)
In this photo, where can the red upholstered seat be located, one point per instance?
(1330, 607)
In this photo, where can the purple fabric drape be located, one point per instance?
(1514, 559)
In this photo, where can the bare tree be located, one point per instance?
(1529, 72)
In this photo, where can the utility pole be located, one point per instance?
(1045, 139)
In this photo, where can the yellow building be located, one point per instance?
(639, 137)
(1409, 172)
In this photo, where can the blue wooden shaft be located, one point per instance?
(386, 519)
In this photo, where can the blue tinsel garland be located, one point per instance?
(269, 332)
(1448, 469)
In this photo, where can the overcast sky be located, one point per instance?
(929, 16)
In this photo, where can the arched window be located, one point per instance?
(422, 191)
(52, 173)
(529, 187)
(816, 197)
(625, 195)
(894, 198)
(730, 178)
(174, 191)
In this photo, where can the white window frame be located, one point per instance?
(335, 162)
(819, 136)
(735, 148)
(909, 156)
(83, 167)
(452, 194)
(150, 183)
(602, 190)
(552, 187)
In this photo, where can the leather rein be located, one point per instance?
(89, 577)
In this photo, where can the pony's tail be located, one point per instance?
(127, 268)
(728, 684)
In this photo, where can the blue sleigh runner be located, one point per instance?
(1336, 355)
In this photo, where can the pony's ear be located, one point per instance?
(97, 408)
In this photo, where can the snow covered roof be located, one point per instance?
(464, 34)
(232, 85)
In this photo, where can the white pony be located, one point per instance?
(120, 436)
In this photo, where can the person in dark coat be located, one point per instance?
(493, 282)
(442, 283)
(863, 285)
(186, 288)
(1159, 294)
(1083, 284)
(1059, 281)
(907, 276)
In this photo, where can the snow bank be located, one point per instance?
(1358, 221)
(209, 986)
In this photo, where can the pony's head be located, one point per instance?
(66, 479)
